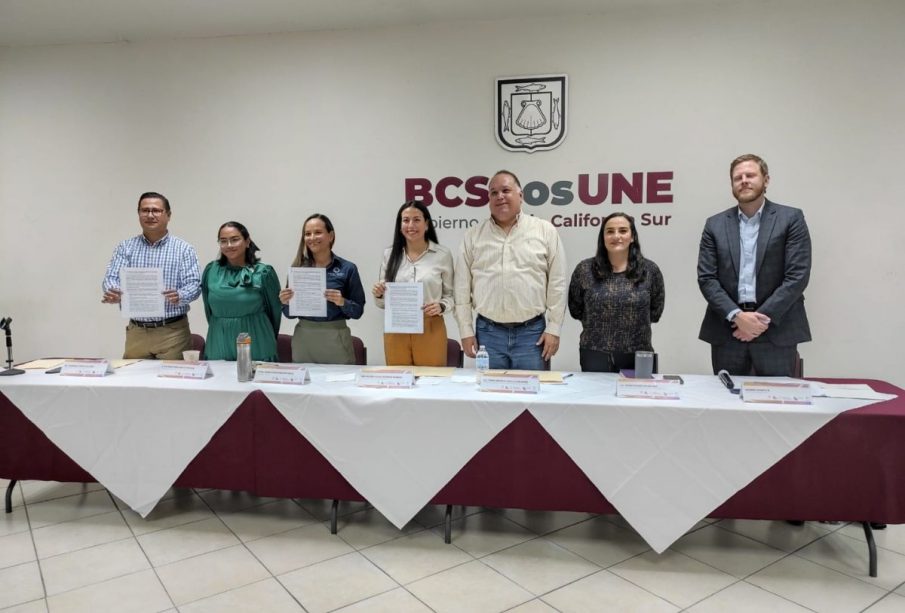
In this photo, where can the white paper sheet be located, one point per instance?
(470, 378)
(341, 376)
(308, 285)
(848, 390)
(142, 293)
(402, 308)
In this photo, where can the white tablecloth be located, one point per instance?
(398, 448)
(666, 464)
(134, 432)
(663, 464)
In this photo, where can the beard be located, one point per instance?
(749, 196)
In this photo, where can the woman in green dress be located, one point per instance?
(240, 295)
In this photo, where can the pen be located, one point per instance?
(567, 375)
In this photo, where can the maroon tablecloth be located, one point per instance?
(851, 469)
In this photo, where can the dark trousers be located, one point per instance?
(592, 360)
(758, 357)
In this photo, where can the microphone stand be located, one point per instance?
(9, 351)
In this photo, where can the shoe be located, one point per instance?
(795, 522)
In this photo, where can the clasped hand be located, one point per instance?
(748, 325)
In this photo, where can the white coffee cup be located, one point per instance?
(193, 355)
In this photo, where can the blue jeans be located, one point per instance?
(514, 348)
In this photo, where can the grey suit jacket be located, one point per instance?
(782, 270)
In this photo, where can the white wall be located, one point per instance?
(268, 129)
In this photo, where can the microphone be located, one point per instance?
(727, 381)
(4, 325)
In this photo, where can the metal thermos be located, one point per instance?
(243, 357)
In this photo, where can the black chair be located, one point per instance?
(455, 357)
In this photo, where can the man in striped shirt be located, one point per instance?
(155, 247)
(511, 282)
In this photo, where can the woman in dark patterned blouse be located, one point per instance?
(616, 295)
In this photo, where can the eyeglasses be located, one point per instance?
(151, 212)
(230, 242)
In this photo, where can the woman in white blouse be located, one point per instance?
(417, 256)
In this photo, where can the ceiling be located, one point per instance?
(58, 22)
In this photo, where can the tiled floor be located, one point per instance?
(73, 547)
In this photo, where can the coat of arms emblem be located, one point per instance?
(531, 112)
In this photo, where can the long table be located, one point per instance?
(847, 470)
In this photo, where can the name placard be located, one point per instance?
(85, 368)
(649, 389)
(509, 383)
(386, 378)
(173, 369)
(286, 374)
(777, 392)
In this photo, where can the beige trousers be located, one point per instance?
(163, 343)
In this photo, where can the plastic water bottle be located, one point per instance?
(482, 361)
(243, 357)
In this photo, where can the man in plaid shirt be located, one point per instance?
(155, 247)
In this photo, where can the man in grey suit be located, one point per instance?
(754, 264)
